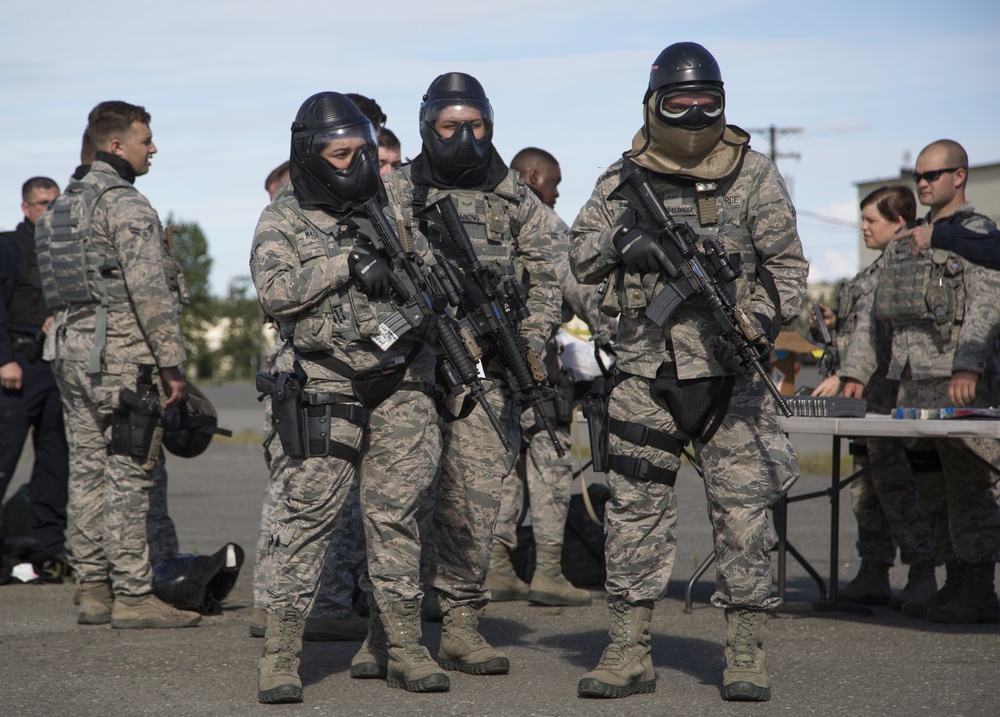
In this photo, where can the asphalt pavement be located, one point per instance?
(821, 662)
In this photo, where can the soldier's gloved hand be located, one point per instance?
(373, 276)
(727, 358)
(638, 249)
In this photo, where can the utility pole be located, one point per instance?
(773, 133)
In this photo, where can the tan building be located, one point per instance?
(983, 191)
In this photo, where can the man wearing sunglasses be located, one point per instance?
(942, 313)
(676, 384)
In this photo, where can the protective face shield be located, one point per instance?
(689, 108)
(458, 101)
(198, 582)
(330, 130)
(188, 427)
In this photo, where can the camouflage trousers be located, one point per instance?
(962, 509)
(747, 464)
(108, 504)
(885, 504)
(547, 479)
(345, 562)
(466, 502)
(399, 449)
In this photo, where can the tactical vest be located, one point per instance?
(342, 316)
(486, 216)
(26, 309)
(76, 270)
(925, 289)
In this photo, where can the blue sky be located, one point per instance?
(867, 81)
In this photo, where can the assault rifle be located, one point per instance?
(831, 358)
(493, 309)
(707, 273)
(417, 295)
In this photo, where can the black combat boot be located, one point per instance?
(976, 601)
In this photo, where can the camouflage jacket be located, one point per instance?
(973, 296)
(299, 265)
(755, 219)
(578, 299)
(144, 329)
(510, 229)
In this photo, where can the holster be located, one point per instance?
(285, 391)
(136, 429)
(595, 410)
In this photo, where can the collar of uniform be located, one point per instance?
(123, 168)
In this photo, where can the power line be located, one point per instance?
(829, 220)
(773, 132)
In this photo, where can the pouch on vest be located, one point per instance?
(692, 402)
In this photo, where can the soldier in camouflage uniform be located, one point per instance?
(511, 233)
(103, 258)
(943, 317)
(670, 386)
(332, 616)
(884, 498)
(546, 477)
(344, 407)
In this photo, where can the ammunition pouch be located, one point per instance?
(302, 420)
(136, 429)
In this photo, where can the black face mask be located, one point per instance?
(460, 152)
(318, 183)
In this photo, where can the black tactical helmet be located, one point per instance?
(198, 582)
(687, 67)
(188, 427)
(324, 118)
(461, 151)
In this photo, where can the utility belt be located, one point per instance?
(600, 425)
(30, 346)
(136, 426)
(302, 418)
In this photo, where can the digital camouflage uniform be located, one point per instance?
(925, 352)
(749, 461)
(345, 560)
(547, 478)
(109, 494)
(510, 230)
(300, 268)
(884, 499)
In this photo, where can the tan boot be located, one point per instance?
(372, 660)
(132, 612)
(464, 649)
(502, 580)
(410, 665)
(258, 622)
(96, 602)
(278, 668)
(548, 585)
(626, 667)
(745, 676)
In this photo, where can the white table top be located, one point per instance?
(881, 425)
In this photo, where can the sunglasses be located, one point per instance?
(933, 175)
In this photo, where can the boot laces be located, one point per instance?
(744, 654)
(470, 627)
(621, 635)
(287, 627)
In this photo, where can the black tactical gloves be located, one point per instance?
(638, 249)
(371, 273)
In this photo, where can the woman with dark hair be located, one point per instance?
(884, 498)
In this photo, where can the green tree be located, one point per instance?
(239, 355)
(190, 248)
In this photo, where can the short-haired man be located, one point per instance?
(102, 257)
(942, 314)
(29, 396)
(276, 179)
(390, 153)
(545, 476)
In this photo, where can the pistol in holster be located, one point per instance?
(595, 410)
(285, 391)
(136, 424)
